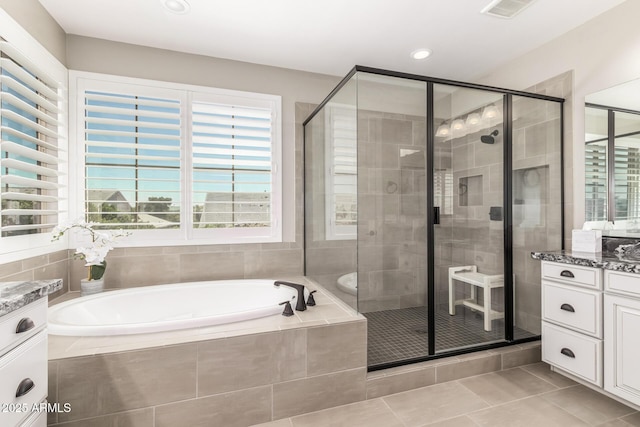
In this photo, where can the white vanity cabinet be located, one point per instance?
(622, 335)
(23, 366)
(572, 320)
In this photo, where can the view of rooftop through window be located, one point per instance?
(138, 151)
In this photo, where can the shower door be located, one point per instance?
(468, 232)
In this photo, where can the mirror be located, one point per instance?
(612, 160)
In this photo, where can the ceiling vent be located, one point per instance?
(506, 9)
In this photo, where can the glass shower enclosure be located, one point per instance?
(423, 201)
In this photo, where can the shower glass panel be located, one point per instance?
(423, 201)
(331, 194)
(468, 192)
(536, 202)
(392, 199)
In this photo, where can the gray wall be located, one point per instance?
(186, 263)
(601, 53)
(36, 20)
(128, 267)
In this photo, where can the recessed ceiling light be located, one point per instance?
(176, 6)
(421, 54)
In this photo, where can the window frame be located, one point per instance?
(333, 231)
(14, 248)
(186, 234)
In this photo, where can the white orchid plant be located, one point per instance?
(94, 252)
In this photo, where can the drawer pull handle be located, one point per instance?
(567, 273)
(25, 386)
(24, 325)
(567, 307)
(568, 353)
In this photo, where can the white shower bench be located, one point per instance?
(469, 274)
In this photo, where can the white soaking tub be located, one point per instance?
(168, 307)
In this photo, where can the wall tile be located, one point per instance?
(316, 393)
(466, 368)
(34, 262)
(521, 357)
(235, 409)
(270, 263)
(211, 266)
(124, 381)
(251, 361)
(125, 272)
(330, 260)
(10, 268)
(403, 381)
(336, 348)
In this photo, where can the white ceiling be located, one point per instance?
(331, 36)
(625, 95)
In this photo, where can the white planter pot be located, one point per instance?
(88, 287)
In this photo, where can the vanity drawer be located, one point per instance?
(622, 283)
(38, 419)
(33, 317)
(575, 353)
(19, 368)
(588, 277)
(577, 308)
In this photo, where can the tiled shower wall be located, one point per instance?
(392, 237)
(534, 142)
(326, 259)
(467, 235)
(390, 251)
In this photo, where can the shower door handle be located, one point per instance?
(436, 214)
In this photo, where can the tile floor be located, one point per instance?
(531, 395)
(401, 334)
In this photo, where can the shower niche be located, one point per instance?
(470, 190)
(407, 177)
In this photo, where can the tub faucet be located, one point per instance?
(300, 304)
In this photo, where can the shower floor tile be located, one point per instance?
(396, 335)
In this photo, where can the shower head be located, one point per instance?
(489, 139)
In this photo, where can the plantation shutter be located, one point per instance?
(342, 191)
(627, 183)
(29, 135)
(132, 159)
(232, 156)
(596, 182)
(443, 190)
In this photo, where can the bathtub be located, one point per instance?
(348, 283)
(168, 307)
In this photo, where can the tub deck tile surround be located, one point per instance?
(243, 373)
(329, 310)
(14, 295)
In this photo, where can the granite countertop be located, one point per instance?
(605, 260)
(14, 295)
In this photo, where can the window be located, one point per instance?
(179, 163)
(596, 182)
(32, 142)
(342, 179)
